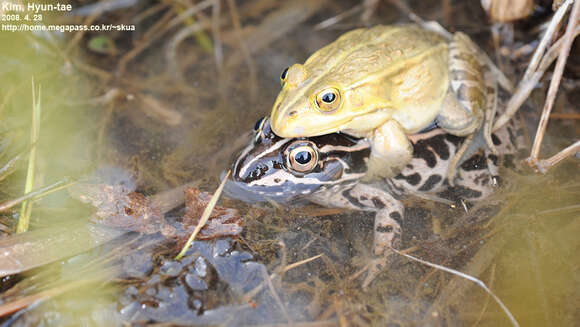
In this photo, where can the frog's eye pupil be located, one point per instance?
(303, 157)
(258, 124)
(328, 97)
(284, 74)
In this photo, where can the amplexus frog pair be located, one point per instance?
(408, 103)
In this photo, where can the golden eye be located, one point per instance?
(284, 75)
(303, 158)
(328, 100)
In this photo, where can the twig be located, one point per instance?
(543, 164)
(468, 277)
(554, 84)
(554, 23)
(565, 116)
(244, 48)
(484, 309)
(336, 19)
(526, 85)
(204, 216)
(200, 36)
(9, 167)
(258, 288)
(299, 263)
(36, 193)
(215, 29)
(17, 305)
(24, 219)
(562, 210)
(268, 282)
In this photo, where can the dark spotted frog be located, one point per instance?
(329, 170)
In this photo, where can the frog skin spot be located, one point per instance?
(495, 139)
(413, 179)
(430, 183)
(377, 203)
(353, 200)
(396, 216)
(385, 229)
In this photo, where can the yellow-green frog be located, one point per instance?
(385, 83)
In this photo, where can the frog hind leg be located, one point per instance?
(482, 139)
(387, 234)
(388, 220)
(387, 227)
(470, 105)
(391, 151)
(364, 197)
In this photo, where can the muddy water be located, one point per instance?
(179, 119)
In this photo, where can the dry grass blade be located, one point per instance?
(24, 218)
(468, 277)
(338, 18)
(268, 282)
(15, 306)
(254, 291)
(555, 83)
(36, 193)
(525, 88)
(299, 263)
(484, 308)
(544, 164)
(204, 217)
(9, 167)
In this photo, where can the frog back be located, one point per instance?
(374, 54)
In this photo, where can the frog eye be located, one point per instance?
(328, 100)
(303, 158)
(284, 75)
(259, 124)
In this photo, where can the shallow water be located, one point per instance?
(180, 120)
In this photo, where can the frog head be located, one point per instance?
(311, 103)
(287, 169)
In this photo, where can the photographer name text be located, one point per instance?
(34, 7)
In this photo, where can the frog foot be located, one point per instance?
(374, 267)
(470, 146)
(387, 234)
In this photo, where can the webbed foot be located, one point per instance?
(373, 268)
(387, 234)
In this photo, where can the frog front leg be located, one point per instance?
(391, 151)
